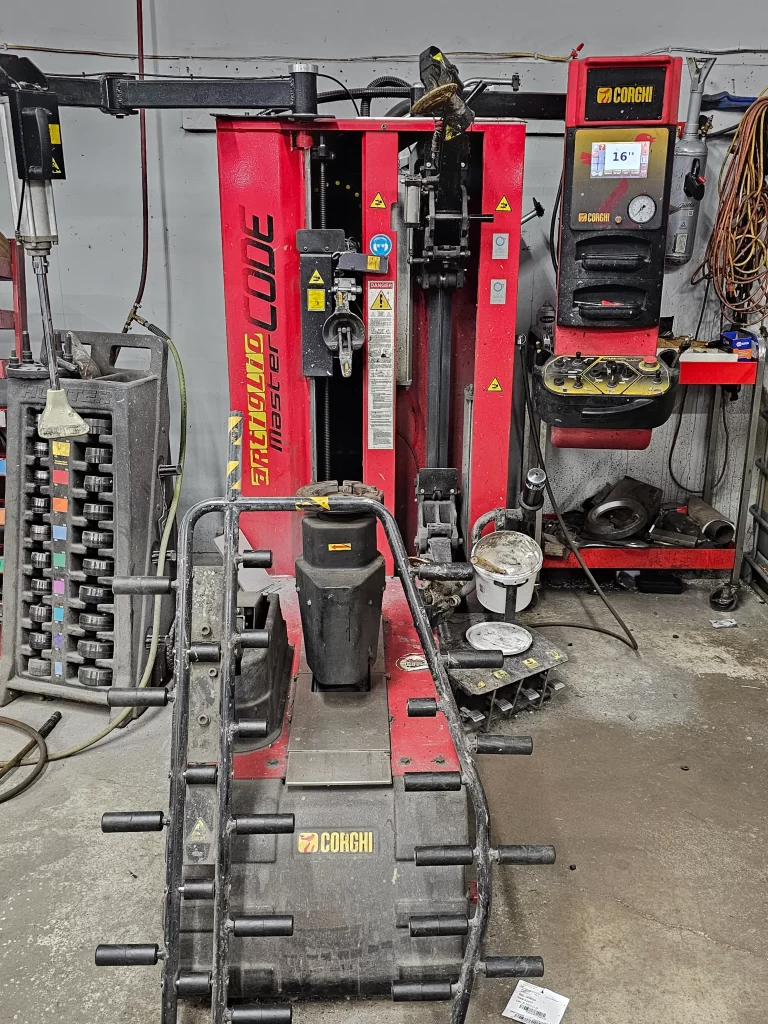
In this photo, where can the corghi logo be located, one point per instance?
(335, 842)
(625, 94)
(594, 218)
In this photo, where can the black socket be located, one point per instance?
(40, 586)
(42, 477)
(89, 675)
(97, 510)
(41, 559)
(39, 667)
(94, 649)
(98, 567)
(40, 641)
(98, 482)
(40, 533)
(98, 456)
(91, 594)
(95, 622)
(98, 425)
(97, 538)
(40, 449)
(39, 505)
(40, 612)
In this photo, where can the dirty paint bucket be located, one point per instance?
(518, 559)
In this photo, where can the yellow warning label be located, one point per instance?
(494, 385)
(232, 466)
(316, 299)
(55, 167)
(335, 842)
(316, 278)
(439, 56)
(54, 130)
(450, 133)
(339, 547)
(200, 833)
(503, 205)
(378, 203)
(530, 663)
(381, 302)
(374, 262)
(61, 447)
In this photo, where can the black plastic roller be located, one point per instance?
(127, 956)
(132, 821)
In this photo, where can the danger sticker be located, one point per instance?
(381, 364)
(335, 842)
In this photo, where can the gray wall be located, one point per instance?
(96, 266)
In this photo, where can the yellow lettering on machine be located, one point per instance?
(339, 547)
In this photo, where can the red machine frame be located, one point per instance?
(263, 190)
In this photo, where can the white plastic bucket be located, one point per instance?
(518, 557)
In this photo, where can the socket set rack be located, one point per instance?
(81, 511)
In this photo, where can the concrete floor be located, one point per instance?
(649, 775)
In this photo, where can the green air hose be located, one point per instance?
(162, 552)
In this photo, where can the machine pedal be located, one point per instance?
(133, 697)
(280, 1014)
(265, 926)
(526, 854)
(442, 856)
(488, 743)
(194, 985)
(127, 955)
(197, 890)
(438, 924)
(513, 967)
(263, 824)
(421, 991)
(133, 821)
(431, 782)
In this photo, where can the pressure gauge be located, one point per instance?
(641, 209)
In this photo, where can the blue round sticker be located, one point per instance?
(381, 245)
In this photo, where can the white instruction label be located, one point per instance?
(381, 364)
(533, 1005)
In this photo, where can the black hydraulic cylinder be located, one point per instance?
(526, 853)
(135, 697)
(446, 572)
(197, 889)
(254, 638)
(438, 924)
(268, 925)
(127, 956)
(431, 782)
(194, 984)
(261, 1014)
(473, 659)
(201, 774)
(514, 967)
(421, 991)
(264, 824)
(422, 707)
(252, 728)
(256, 559)
(442, 856)
(304, 88)
(141, 585)
(132, 821)
(488, 743)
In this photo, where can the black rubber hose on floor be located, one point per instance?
(42, 761)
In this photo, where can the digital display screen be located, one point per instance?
(620, 159)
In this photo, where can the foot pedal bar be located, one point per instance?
(128, 955)
(512, 967)
(438, 924)
(422, 991)
(260, 1014)
(447, 856)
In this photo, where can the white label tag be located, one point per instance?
(381, 364)
(533, 1005)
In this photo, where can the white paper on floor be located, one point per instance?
(533, 1005)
